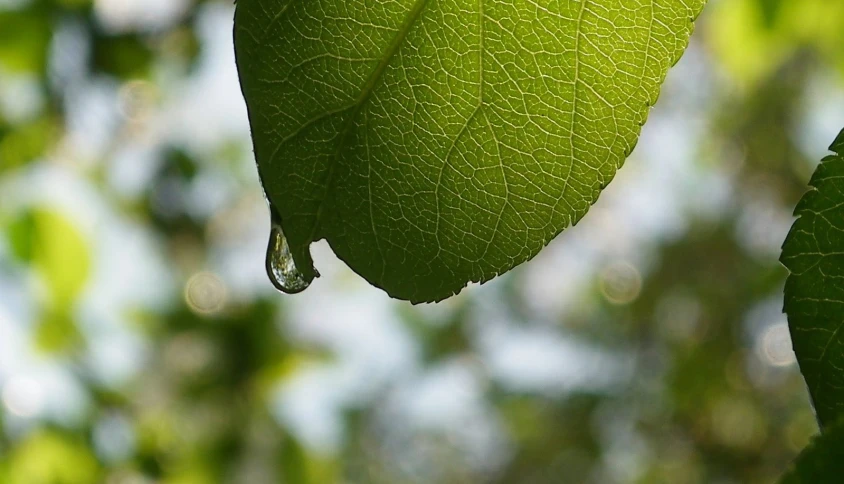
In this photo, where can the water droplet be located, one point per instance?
(281, 268)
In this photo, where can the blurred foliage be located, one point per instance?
(53, 247)
(701, 403)
(25, 38)
(52, 457)
(752, 38)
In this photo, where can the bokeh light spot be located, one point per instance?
(737, 423)
(23, 397)
(205, 293)
(774, 346)
(137, 98)
(620, 283)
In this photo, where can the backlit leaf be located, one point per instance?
(434, 143)
(814, 292)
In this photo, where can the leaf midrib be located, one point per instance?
(365, 95)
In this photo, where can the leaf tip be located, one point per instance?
(838, 145)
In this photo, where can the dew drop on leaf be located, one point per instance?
(281, 268)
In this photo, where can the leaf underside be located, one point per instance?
(434, 143)
(813, 252)
(822, 462)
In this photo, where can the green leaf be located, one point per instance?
(814, 293)
(433, 143)
(822, 462)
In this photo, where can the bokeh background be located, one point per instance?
(141, 343)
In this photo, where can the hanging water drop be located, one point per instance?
(281, 268)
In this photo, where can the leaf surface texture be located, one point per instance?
(435, 143)
(814, 291)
